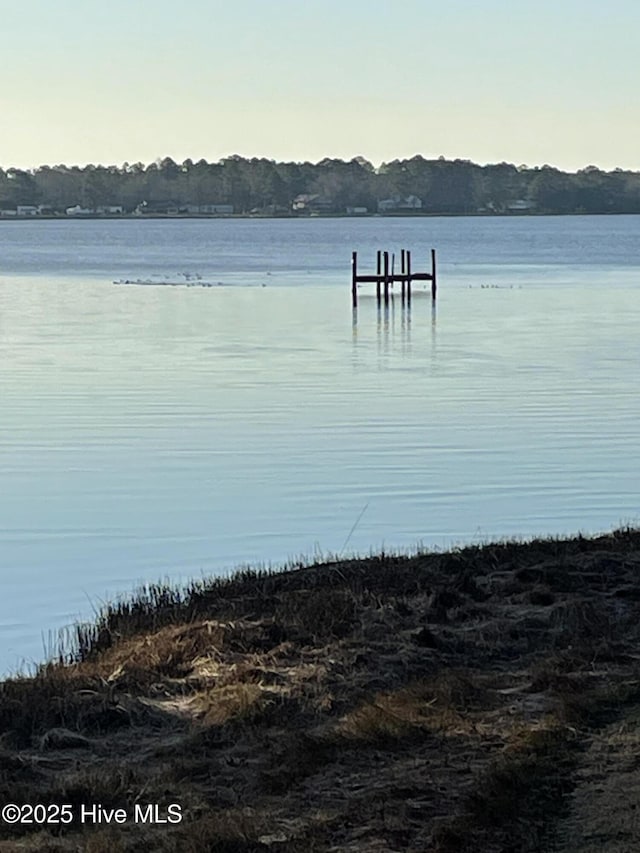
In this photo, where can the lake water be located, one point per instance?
(152, 432)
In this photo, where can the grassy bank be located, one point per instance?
(458, 701)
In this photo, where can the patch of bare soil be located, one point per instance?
(484, 700)
(604, 808)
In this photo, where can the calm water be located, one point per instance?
(165, 432)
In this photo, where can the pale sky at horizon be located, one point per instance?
(109, 81)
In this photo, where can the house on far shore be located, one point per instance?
(311, 203)
(357, 211)
(28, 210)
(159, 208)
(78, 210)
(392, 205)
(520, 205)
(209, 209)
(109, 210)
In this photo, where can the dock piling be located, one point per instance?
(433, 275)
(385, 276)
(354, 279)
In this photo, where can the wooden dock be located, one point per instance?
(386, 276)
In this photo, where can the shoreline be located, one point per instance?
(292, 216)
(445, 701)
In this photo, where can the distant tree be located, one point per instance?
(554, 191)
(453, 187)
(501, 184)
(444, 186)
(169, 169)
(20, 187)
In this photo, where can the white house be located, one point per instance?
(310, 203)
(77, 210)
(520, 205)
(411, 202)
(222, 209)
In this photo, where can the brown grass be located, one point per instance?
(434, 702)
(219, 705)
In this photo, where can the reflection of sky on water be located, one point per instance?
(148, 432)
(297, 251)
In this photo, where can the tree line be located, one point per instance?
(262, 186)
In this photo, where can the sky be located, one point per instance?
(111, 81)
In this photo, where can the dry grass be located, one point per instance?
(434, 702)
(442, 704)
(167, 653)
(220, 705)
